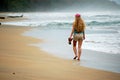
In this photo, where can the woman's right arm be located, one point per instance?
(84, 30)
(84, 35)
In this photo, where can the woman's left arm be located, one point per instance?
(72, 32)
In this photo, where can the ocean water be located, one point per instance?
(102, 35)
(102, 29)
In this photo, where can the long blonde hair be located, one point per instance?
(79, 25)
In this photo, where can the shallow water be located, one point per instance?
(102, 29)
(102, 34)
(60, 48)
(56, 44)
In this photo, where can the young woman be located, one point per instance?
(78, 33)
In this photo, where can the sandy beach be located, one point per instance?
(19, 61)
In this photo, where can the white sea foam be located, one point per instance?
(102, 31)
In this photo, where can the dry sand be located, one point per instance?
(19, 61)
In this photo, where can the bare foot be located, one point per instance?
(78, 59)
(75, 57)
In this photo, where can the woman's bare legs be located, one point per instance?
(79, 48)
(74, 49)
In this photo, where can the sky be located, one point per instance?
(77, 5)
(93, 5)
(117, 1)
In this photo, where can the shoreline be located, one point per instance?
(89, 58)
(20, 61)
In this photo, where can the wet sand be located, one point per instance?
(19, 61)
(59, 47)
